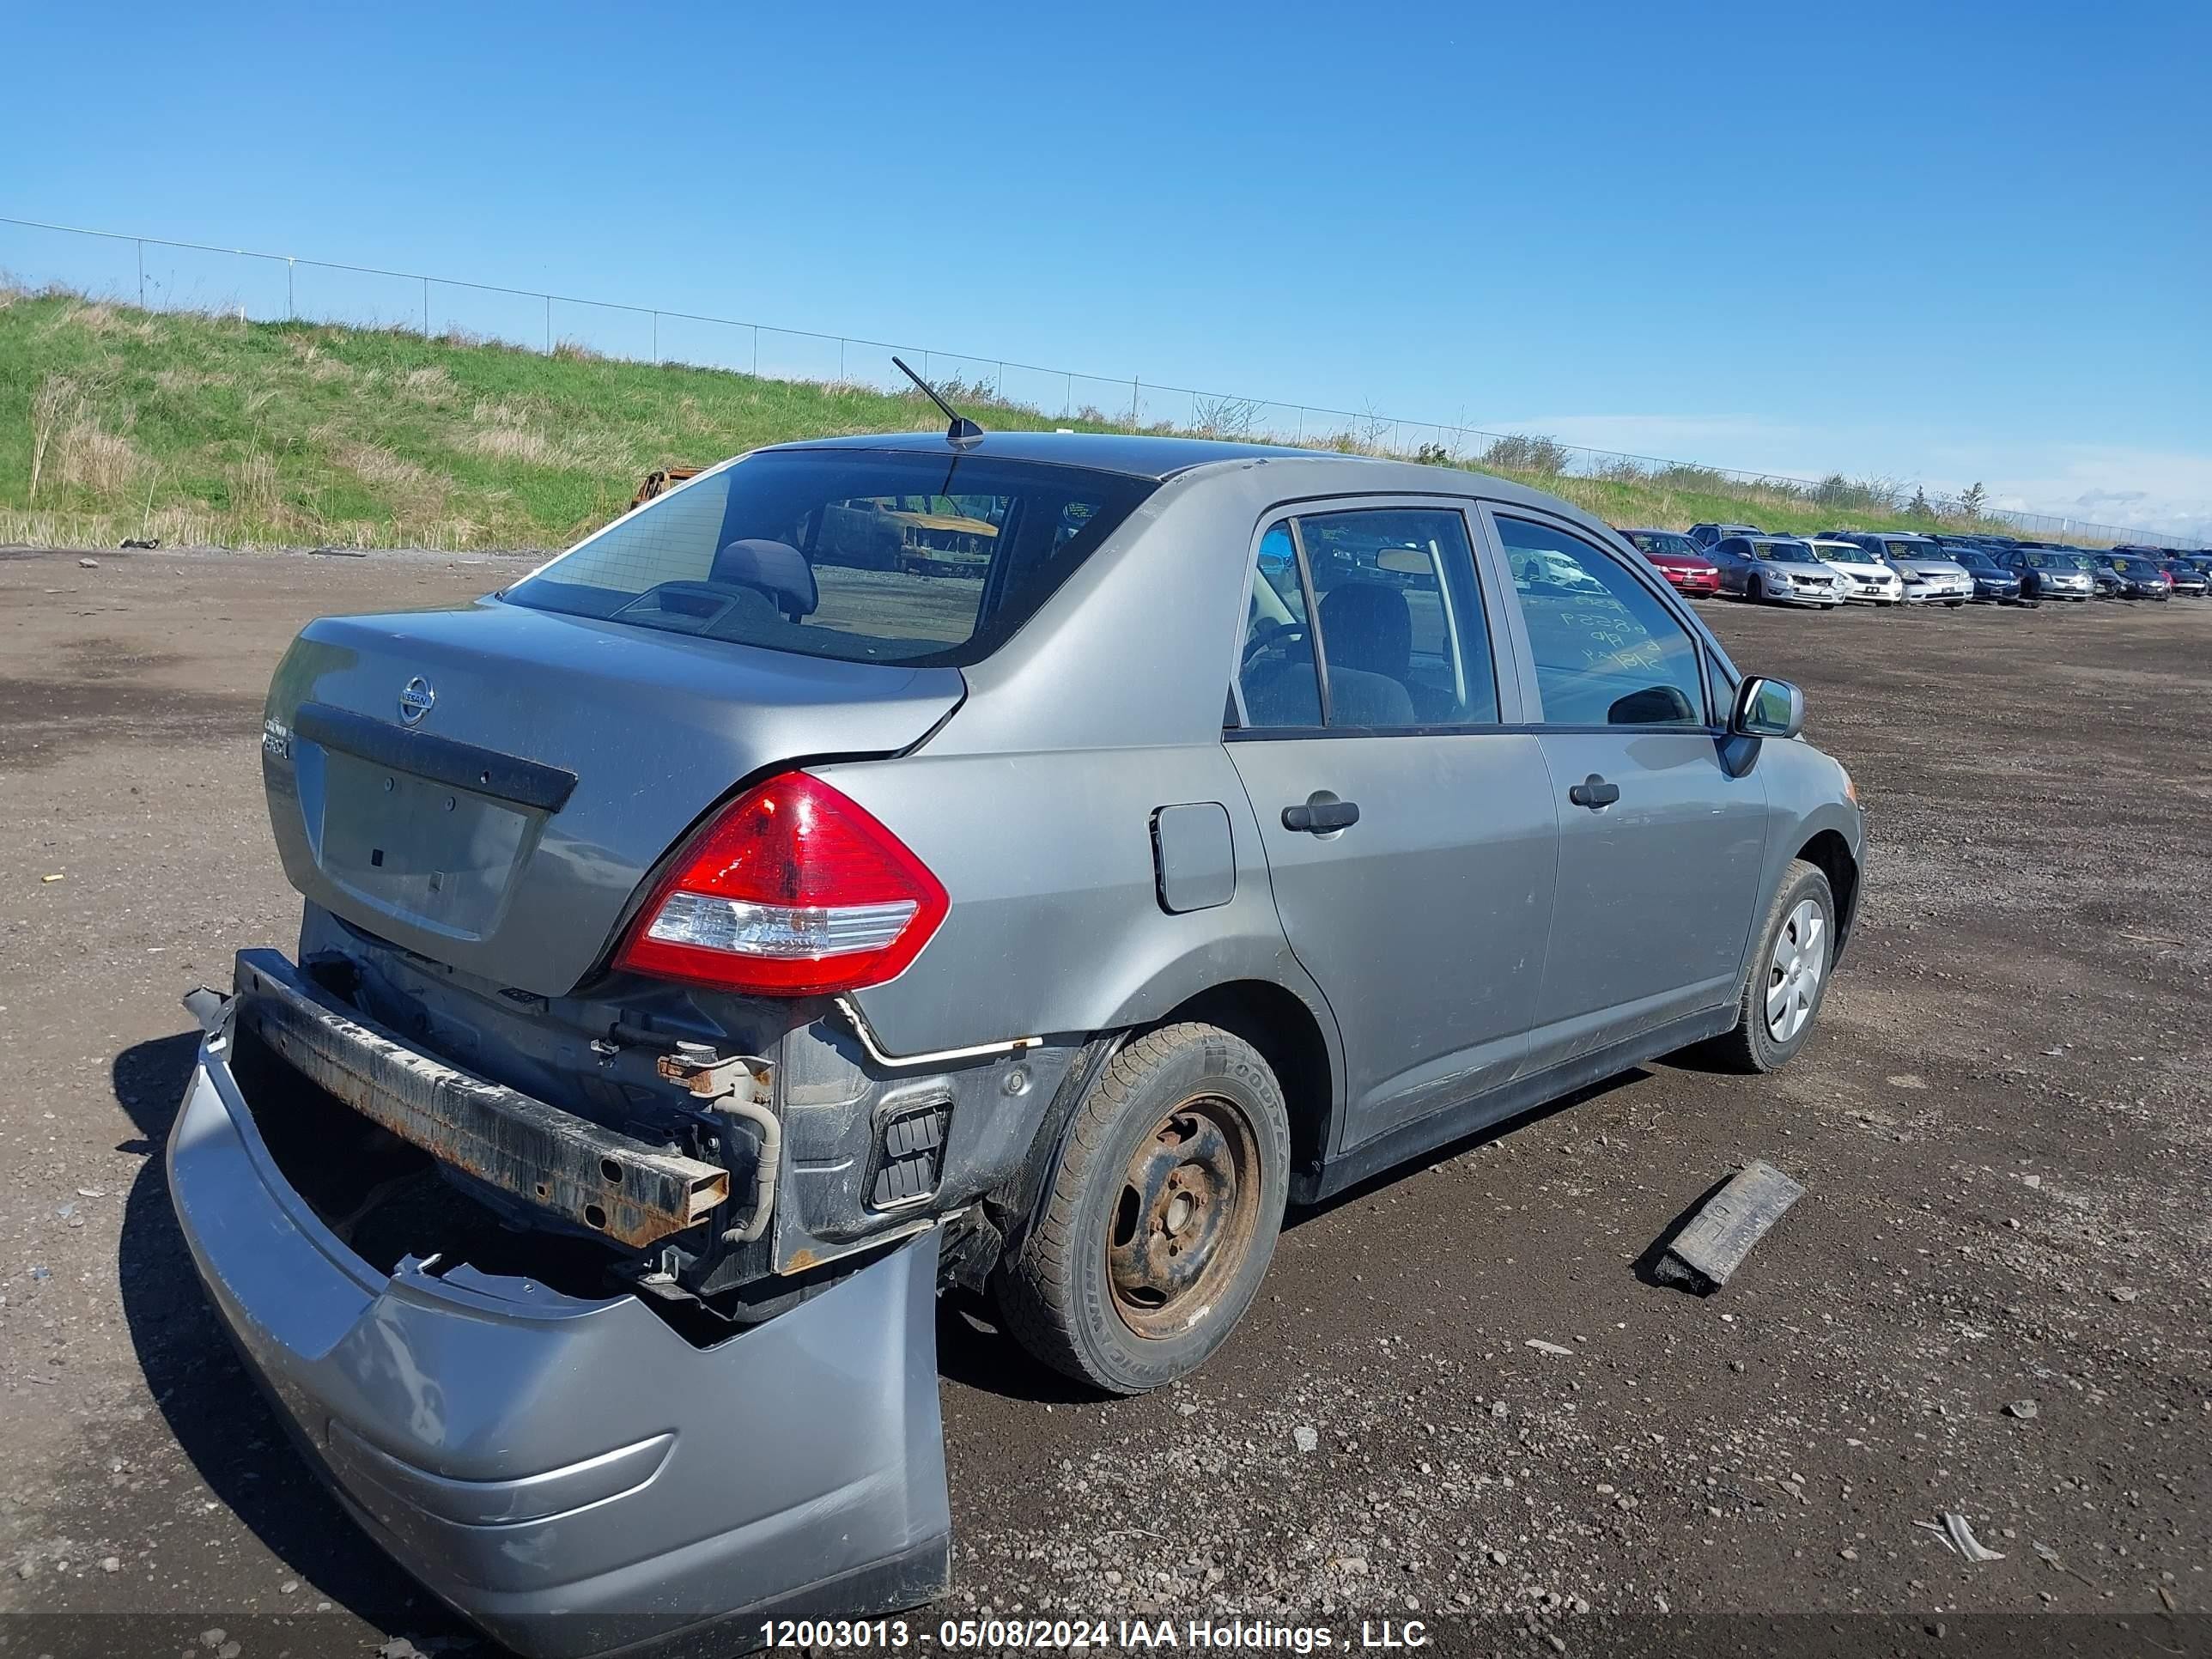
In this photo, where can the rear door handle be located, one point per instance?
(1595, 793)
(1322, 813)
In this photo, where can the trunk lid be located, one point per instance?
(549, 760)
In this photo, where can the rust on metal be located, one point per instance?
(554, 1159)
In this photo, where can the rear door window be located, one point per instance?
(1606, 650)
(1404, 641)
(1401, 642)
(870, 555)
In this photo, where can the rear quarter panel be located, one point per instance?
(1034, 802)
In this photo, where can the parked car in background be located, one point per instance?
(1777, 570)
(1952, 542)
(2050, 572)
(1867, 580)
(2186, 577)
(1679, 559)
(709, 951)
(1994, 584)
(1538, 566)
(1706, 534)
(2138, 577)
(1931, 576)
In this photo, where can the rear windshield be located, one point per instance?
(868, 555)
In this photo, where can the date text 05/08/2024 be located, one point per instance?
(1001, 1635)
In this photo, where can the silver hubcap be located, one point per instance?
(1793, 972)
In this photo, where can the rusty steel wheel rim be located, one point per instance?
(1185, 1217)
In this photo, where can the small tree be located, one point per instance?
(1971, 502)
(1920, 506)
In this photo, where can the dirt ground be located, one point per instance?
(1994, 1298)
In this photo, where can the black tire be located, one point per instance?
(1073, 1292)
(1749, 1045)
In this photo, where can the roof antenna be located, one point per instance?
(963, 433)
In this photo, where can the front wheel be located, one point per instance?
(1160, 1218)
(1789, 976)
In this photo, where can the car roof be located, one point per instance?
(1302, 471)
(1132, 455)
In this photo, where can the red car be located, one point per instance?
(1677, 558)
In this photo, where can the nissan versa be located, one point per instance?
(1022, 861)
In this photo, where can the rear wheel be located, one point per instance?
(1160, 1217)
(1788, 976)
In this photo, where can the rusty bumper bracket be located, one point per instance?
(543, 1156)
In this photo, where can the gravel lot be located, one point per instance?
(1994, 1298)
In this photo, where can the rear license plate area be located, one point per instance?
(427, 851)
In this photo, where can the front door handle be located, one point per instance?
(1322, 813)
(1595, 793)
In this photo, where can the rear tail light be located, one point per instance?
(791, 891)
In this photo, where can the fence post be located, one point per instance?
(656, 339)
(999, 388)
(426, 307)
(548, 325)
(757, 351)
(291, 311)
(841, 360)
(141, 273)
(1067, 403)
(1133, 402)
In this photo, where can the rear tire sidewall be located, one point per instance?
(1200, 1060)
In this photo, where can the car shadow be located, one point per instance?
(1299, 1215)
(974, 1351)
(211, 1403)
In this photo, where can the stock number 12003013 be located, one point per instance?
(953, 1633)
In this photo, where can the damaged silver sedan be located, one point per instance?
(1026, 862)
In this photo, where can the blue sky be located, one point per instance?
(1940, 243)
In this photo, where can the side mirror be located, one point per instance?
(1768, 709)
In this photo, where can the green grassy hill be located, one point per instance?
(202, 429)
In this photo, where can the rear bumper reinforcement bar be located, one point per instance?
(542, 1155)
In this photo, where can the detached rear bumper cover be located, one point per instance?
(571, 1474)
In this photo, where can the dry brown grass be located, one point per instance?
(513, 443)
(430, 382)
(379, 467)
(96, 459)
(254, 490)
(98, 317)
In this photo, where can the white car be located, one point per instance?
(1931, 576)
(1867, 580)
(1540, 568)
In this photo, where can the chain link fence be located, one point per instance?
(158, 274)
